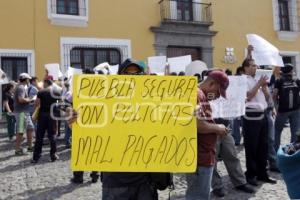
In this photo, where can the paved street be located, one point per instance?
(46, 180)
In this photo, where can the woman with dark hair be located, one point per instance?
(228, 72)
(239, 71)
(8, 106)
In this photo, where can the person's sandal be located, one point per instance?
(20, 152)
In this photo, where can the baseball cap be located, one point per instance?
(24, 76)
(222, 78)
(129, 62)
(287, 68)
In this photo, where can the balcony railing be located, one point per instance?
(186, 11)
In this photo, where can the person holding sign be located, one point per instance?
(117, 185)
(199, 183)
(78, 175)
(255, 124)
(125, 185)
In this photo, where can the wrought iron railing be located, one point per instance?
(185, 10)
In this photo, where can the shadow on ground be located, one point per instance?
(48, 193)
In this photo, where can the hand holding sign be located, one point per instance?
(221, 130)
(263, 81)
(250, 48)
(53, 70)
(71, 115)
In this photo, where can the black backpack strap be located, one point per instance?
(298, 82)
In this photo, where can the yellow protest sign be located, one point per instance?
(134, 123)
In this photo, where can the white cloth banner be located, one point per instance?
(157, 64)
(178, 64)
(264, 53)
(54, 70)
(234, 105)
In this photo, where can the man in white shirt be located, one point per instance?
(255, 125)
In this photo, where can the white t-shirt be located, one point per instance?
(258, 102)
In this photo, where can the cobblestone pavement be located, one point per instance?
(19, 179)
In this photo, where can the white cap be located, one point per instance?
(24, 76)
(104, 67)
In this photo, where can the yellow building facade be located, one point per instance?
(234, 19)
(83, 33)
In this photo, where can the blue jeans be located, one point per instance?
(271, 140)
(294, 119)
(236, 131)
(68, 133)
(199, 184)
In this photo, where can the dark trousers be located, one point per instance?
(78, 175)
(255, 126)
(140, 192)
(44, 123)
(11, 125)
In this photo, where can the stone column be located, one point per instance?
(207, 56)
(160, 50)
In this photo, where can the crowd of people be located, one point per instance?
(34, 109)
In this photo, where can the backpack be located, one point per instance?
(161, 180)
(289, 95)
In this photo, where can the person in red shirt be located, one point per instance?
(199, 183)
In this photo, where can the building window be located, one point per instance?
(185, 10)
(182, 51)
(284, 19)
(289, 59)
(72, 13)
(13, 66)
(90, 57)
(67, 7)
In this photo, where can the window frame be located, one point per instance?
(15, 75)
(95, 49)
(284, 18)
